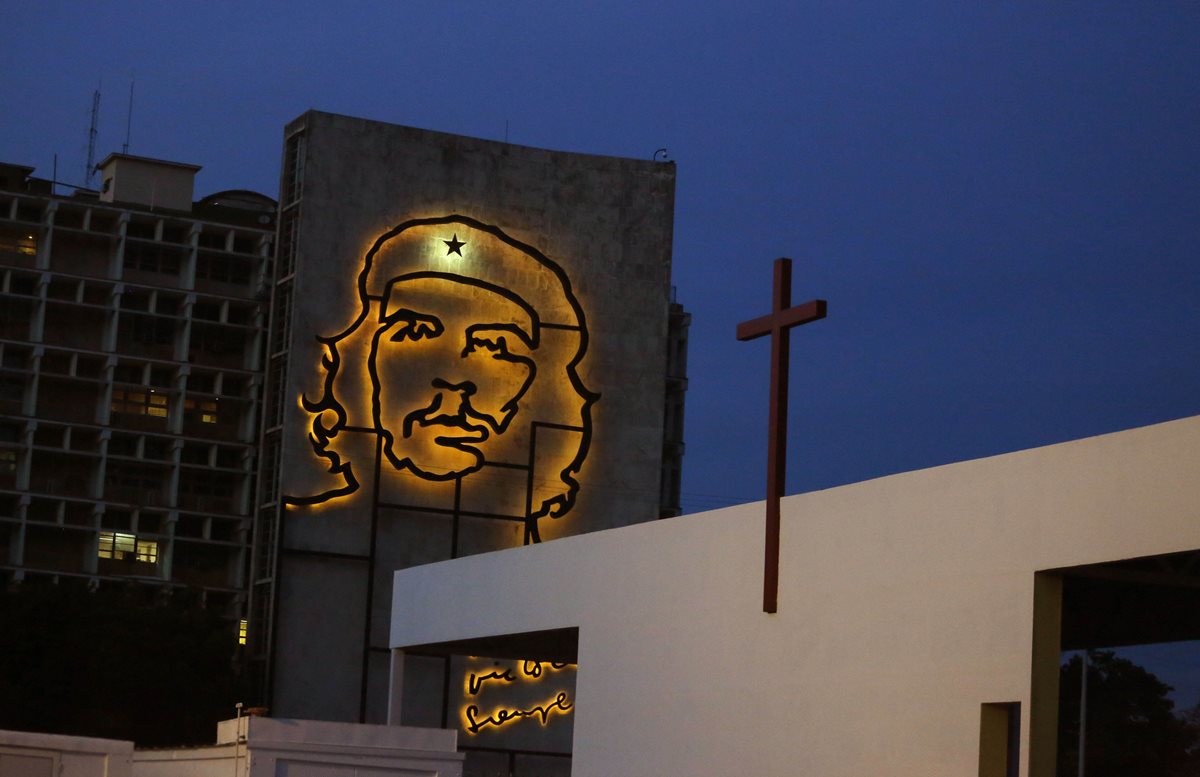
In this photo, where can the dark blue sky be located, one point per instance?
(1001, 201)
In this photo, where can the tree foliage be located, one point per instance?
(1132, 727)
(114, 663)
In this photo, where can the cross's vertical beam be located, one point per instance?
(781, 293)
(777, 324)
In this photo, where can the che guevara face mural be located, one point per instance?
(462, 364)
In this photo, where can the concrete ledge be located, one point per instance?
(59, 755)
(262, 747)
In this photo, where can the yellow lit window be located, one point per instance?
(156, 405)
(242, 632)
(20, 243)
(8, 461)
(205, 408)
(139, 403)
(126, 547)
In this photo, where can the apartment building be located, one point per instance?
(132, 328)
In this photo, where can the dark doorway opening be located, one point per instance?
(1129, 675)
(511, 697)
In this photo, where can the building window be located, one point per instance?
(135, 484)
(127, 547)
(139, 403)
(216, 341)
(242, 631)
(151, 258)
(156, 331)
(129, 373)
(141, 229)
(18, 243)
(148, 332)
(222, 268)
(11, 388)
(205, 409)
(207, 491)
(215, 240)
(8, 461)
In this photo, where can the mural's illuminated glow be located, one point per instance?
(474, 369)
(496, 676)
(501, 716)
(461, 362)
(529, 670)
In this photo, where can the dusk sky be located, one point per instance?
(1000, 201)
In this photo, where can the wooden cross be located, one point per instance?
(777, 324)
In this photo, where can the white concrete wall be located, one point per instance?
(28, 754)
(275, 747)
(905, 603)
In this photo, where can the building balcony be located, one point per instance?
(20, 259)
(78, 486)
(81, 254)
(67, 399)
(75, 326)
(204, 564)
(57, 548)
(132, 495)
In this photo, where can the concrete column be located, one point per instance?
(117, 267)
(1043, 695)
(396, 688)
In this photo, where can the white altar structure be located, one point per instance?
(920, 622)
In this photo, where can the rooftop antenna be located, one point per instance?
(128, 118)
(89, 171)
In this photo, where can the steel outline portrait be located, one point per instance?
(492, 308)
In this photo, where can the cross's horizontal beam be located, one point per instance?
(784, 319)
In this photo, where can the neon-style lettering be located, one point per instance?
(534, 668)
(503, 716)
(476, 681)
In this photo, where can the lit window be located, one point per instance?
(139, 403)
(21, 243)
(8, 461)
(205, 408)
(126, 547)
(242, 632)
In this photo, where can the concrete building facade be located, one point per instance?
(473, 346)
(132, 327)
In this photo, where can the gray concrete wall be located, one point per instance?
(603, 227)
